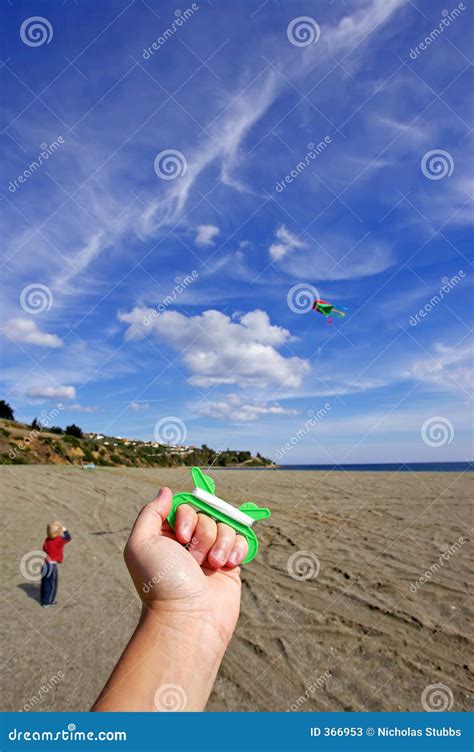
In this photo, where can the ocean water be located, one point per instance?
(392, 467)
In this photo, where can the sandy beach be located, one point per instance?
(364, 632)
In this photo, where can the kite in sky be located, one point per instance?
(327, 309)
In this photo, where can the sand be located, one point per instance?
(354, 637)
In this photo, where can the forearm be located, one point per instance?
(166, 649)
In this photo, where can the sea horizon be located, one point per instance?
(432, 467)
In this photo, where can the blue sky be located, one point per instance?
(166, 238)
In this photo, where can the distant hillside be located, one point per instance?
(21, 444)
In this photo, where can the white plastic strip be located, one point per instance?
(223, 506)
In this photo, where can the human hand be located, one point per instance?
(201, 580)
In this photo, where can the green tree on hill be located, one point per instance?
(6, 411)
(74, 430)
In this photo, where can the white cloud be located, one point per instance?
(51, 392)
(219, 349)
(235, 409)
(206, 234)
(77, 408)
(26, 330)
(286, 242)
(138, 406)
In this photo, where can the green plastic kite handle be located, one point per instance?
(206, 483)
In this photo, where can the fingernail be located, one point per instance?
(219, 555)
(160, 491)
(186, 532)
(233, 558)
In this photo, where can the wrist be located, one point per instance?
(192, 629)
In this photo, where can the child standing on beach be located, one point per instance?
(57, 537)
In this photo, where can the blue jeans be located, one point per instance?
(49, 583)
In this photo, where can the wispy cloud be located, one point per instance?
(139, 406)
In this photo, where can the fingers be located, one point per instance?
(185, 523)
(239, 552)
(216, 542)
(223, 546)
(205, 534)
(152, 516)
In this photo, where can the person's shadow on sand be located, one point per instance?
(32, 590)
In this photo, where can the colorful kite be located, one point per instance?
(327, 309)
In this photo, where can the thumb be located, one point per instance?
(152, 516)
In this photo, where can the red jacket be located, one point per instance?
(53, 547)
